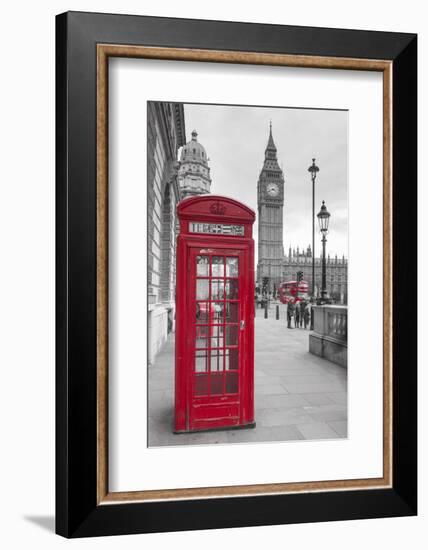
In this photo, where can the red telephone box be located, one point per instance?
(214, 357)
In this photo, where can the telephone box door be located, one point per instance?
(217, 337)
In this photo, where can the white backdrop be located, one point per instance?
(27, 274)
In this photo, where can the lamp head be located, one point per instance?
(313, 169)
(323, 218)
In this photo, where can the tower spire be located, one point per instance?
(271, 147)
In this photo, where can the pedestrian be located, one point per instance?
(290, 312)
(302, 312)
(312, 314)
(307, 315)
(297, 315)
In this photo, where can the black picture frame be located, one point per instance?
(77, 511)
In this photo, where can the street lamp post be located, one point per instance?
(323, 219)
(313, 169)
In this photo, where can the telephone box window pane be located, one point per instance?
(201, 384)
(202, 313)
(226, 358)
(217, 268)
(202, 266)
(232, 312)
(201, 361)
(218, 312)
(231, 359)
(231, 382)
(201, 337)
(217, 289)
(217, 331)
(216, 383)
(232, 289)
(216, 360)
(217, 337)
(217, 342)
(231, 267)
(231, 335)
(202, 289)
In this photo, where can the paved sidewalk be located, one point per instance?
(297, 395)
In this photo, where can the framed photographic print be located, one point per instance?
(236, 254)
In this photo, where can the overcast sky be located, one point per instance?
(235, 139)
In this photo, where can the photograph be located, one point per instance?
(247, 270)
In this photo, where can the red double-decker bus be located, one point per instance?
(293, 290)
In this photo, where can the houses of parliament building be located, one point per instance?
(336, 272)
(273, 265)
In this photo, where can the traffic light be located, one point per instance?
(299, 276)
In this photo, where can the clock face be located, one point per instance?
(272, 189)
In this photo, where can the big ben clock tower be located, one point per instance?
(270, 202)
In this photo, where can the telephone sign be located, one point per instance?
(214, 364)
(216, 228)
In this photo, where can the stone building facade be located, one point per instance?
(270, 205)
(336, 272)
(168, 182)
(165, 135)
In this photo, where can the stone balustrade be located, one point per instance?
(330, 336)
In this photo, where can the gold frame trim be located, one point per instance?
(104, 51)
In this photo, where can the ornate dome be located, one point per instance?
(194, 172)
(193, 151)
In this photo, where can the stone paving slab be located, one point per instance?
(340, 426)
(313, 388)
(317, 430)
(318, 399)
(273, 433)
(280, 401)
(297, 395)
(271, 389)
(282, 417)
(338, 397)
